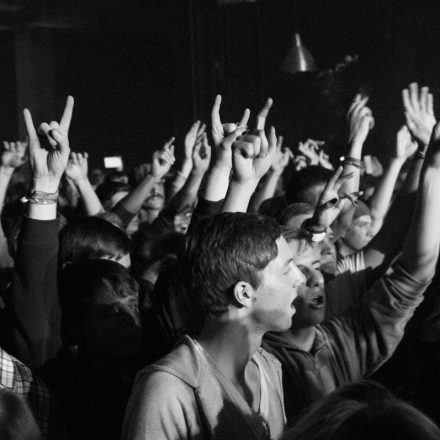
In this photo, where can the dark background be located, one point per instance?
(142, 71)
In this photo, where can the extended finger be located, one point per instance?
(215, 113)
(423, 98)
(30, 128)
(280, 142)
(262, 114)
(406, 101)
(414, 95)
(67, 115)
(272, 145)
(169, 143)
(245, 118)
(430, 104)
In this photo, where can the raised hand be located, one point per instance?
(310, 149)
(77, 167)
(405, 146)
(201, 155)
(330, 202)
(419, 112)
(360, 118)
(163, 160)
(252, 156)
(281, 157)
(220, 133)
(193, 135)
(13, 154)
(48, 164)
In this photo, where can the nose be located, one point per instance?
(299, 277)
(315, 279)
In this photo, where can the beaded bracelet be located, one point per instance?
(41, 198)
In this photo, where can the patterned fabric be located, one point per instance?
(18, 378)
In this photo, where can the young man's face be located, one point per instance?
(310, 302)
(156, 199)
(359, 234)
(274, 297)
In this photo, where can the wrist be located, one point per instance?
(45, 184)
(6, 171)
(82, 183)
(186, 168)
(275, 173)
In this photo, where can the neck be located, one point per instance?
(344, 249)
(302, 337)
(231, 345)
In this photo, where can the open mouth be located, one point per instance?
(317, 301)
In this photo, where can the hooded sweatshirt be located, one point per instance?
(184, 396)
(348, 347)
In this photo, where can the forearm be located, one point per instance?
(381, 199)
(5, 178)
(92, 204)
(421, 247)
(238, 196)
(412, 180)
(134, 201)
(180, 178)
(217, 183)
(267, 191)
(188, 193)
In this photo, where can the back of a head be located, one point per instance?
(16, 419)
(225, 249)
(93, 238)
(85, 282)
(390, 420)
(296, 213)
(306, 185)
(363, 410)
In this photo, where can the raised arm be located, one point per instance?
(36, 314)
(418, 106)
(361, 121)
(280, 160)
(77, 172)
(421, 247)
(193, 136)
(223, 136)
(252, 157)
(163, 159)
(380, 202)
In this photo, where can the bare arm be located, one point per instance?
(279, 162)
(162, 161)
(381, 199)
(76, 171)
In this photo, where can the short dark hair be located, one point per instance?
(92, 238)
(299, 185)
(364, 410)
(82, 282)
(225, 249)
(295, 209)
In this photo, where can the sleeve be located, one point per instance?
(35, 310)
(161, 407)
(206, 208)
(124, 216)
(367, 336)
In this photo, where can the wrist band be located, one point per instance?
(41, 198)
(353, 162)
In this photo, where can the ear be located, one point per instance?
(243, 294)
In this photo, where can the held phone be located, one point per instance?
(113, 163)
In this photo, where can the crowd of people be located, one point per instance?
(250, 292)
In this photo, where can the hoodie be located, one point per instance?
(184, 396)
(348, 347)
